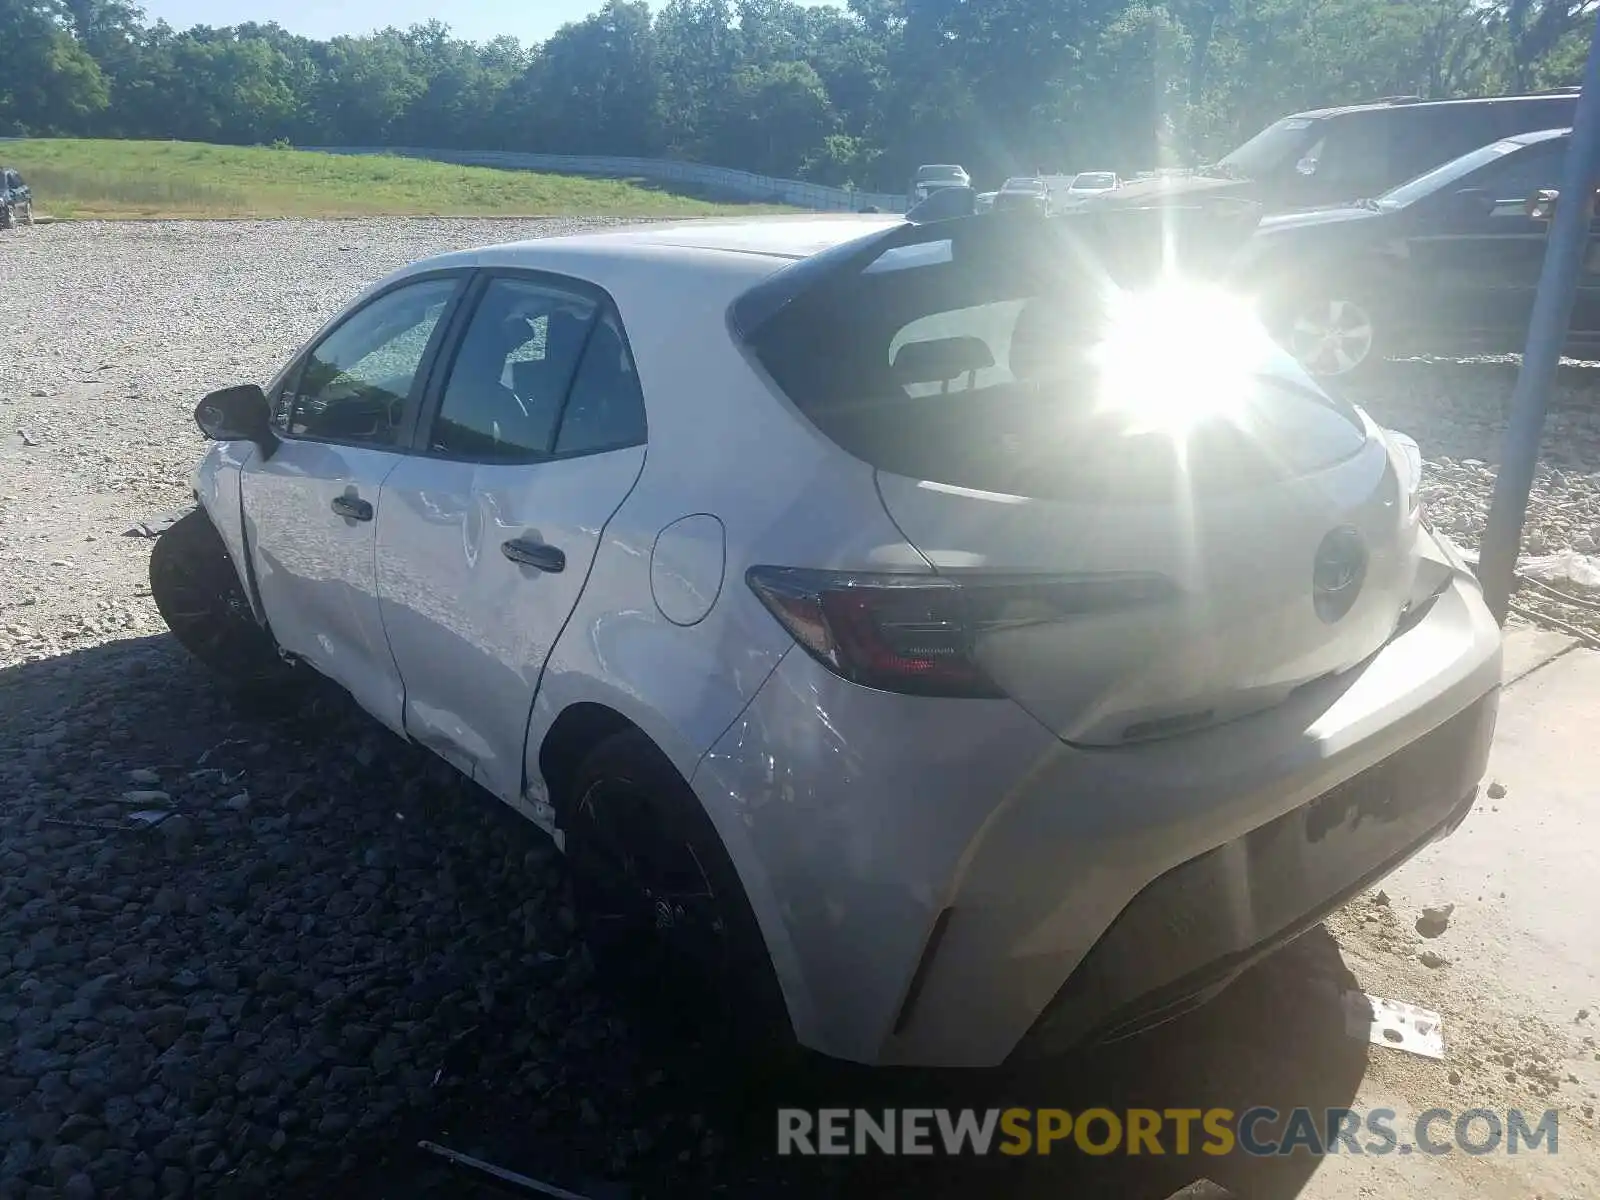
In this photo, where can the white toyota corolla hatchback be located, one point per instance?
(934, 641)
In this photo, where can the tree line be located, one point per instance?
(855, 95)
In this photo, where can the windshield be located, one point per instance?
(1270, 148)
(1095, 181)
(938, 174)
(1443, 176)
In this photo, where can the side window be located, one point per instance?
(514, 368)
(1518, 175)
(1352, 160)
(1423, 137)
(605, 409)
(355, 384)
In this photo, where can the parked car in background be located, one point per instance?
(1091, 183)
(915, 699)
(984, 201)
(932, 177)
(944, 204)
(16, 199)
(1331, 155)
(1445, 263)
(1023, 194)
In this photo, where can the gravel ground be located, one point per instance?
(335, 946)
(1455, 412)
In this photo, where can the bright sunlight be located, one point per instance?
(1177, 354)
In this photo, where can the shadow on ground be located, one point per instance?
(1275, 1039)
(510, 1053)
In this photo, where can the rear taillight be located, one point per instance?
(916, 633)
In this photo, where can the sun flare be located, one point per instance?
(1178, 354)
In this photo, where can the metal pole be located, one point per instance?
(1547, 332)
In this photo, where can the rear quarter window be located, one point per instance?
(1427, 135)
(1424, 137)
(1526, 116)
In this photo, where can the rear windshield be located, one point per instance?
(1272, 147)
(970, 360)
(934, 174)
(1097, 181)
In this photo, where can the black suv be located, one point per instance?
(1335, 154)
(1446, 263)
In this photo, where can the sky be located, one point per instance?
(476, 20)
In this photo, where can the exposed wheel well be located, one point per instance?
(579, 729)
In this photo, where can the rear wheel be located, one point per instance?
(195, 586)
(661, 906)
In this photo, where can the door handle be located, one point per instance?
(529, 553)
(353, 507)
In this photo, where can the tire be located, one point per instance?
(195, 586)
(662, 908)
(1334, 335)
(7, 217)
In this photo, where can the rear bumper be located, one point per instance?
(937, 878)
(1191, 932)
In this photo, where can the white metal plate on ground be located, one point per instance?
(1394, 1023)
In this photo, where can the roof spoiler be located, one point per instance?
(1134, 244)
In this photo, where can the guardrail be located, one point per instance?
(724, 180)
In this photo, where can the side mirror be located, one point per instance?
(238, 414)
(1541, 206)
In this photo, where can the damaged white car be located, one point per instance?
(924, 646)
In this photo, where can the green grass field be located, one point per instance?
(80, 178)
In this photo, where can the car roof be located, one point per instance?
(1398, 102)
(782, 237)
(778, 237)
(750, 247)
